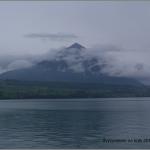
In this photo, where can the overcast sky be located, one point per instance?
(35, 27)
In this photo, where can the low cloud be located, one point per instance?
(19, 64)
(14, 62)
(123, 62)
(114, 61)
(51, 36)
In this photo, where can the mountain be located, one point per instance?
(76, 46)
(69, 65)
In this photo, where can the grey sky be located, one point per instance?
(124, 24)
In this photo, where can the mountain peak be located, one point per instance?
(76, 45)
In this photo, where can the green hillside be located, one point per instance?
(11, 89)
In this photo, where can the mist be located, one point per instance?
(116, 60)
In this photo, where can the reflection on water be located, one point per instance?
(46, 124)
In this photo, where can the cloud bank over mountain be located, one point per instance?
(117, 61)
(113, 60)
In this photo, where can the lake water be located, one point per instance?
(75, 123)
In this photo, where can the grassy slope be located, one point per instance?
(19, 89)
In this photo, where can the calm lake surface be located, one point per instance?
(75, 123)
